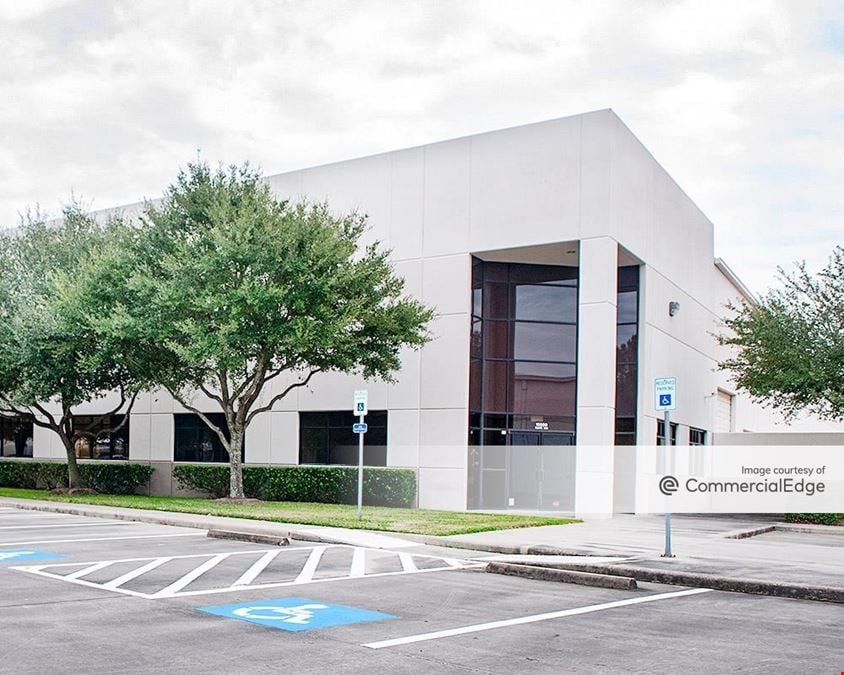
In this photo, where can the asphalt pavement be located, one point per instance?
(94, 595)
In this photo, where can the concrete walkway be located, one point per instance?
(703, 545)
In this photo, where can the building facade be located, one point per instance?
(553, 253)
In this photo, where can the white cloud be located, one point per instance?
(738, 100)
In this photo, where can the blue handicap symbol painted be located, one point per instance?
(665, 399)
(295, 614)
(17, 555)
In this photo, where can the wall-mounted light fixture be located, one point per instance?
(673, 308)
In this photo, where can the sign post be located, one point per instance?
(665, 399)
(360, 409)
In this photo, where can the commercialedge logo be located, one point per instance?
(668, 485)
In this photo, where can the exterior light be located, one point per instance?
(673, 308)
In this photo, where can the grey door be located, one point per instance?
(540, 470)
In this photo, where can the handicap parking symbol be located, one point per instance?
(665, 399)
(25, 555)
(295, 614)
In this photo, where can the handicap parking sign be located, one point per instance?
(25, 555)
(665, 399)
(295, 614)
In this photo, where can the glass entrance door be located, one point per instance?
(540, 470)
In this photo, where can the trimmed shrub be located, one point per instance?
(815, 518)
(113, 478)
(210, 478)
(325, 484)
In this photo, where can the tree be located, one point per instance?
(789, 348)
(49, 358)
(229, 288)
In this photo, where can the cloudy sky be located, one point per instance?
(742, 101)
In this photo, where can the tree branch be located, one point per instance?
(202, 416)
(210, 394)
(280, 396)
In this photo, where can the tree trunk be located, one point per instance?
(73, 479)
(236, 464)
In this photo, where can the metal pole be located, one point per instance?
(667, 441)
(360, 472)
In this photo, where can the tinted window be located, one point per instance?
(102, 436)
(546, 303)
(195, 441)
(545, 342)
(327, 438)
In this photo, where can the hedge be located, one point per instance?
(816, 518)
(326, 484)
(113, 478)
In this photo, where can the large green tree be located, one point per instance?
(50, 360)
(789, 347)
(228, 288)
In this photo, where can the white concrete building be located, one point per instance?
(552, 252)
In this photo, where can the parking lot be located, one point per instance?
(98, 595)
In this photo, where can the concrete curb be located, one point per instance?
(806, 528)
(746, 534)
(540, 549)
(562, 575)
(715, 582)
(253, 537)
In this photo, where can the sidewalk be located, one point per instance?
(701, 544)
(798, 562)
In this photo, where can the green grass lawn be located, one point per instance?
(411, 521)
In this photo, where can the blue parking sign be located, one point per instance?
(294, 614)
(20, 555)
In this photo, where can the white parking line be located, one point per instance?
(193, 575)
(463, 630)
(407, 563)
(308, 570)
(143, 569)
(245, 581)
(73, 541)
(358, 568)
(257, 567)
(40, 527)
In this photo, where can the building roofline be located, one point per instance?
(732, 277)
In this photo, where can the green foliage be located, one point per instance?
(113, 478)
(325, 484)
(815, 518)
(789, 349)
(223, 288)
(46, 350)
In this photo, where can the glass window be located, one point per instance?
(475, 385)
(542, 274)
(697, 436)
(97, 441)
(496, 301)
(327, 438)
(495, 385)
(195, 441)
(627, 344)
(497, 336)
(544, 342)
(546, 303)
(625, 391)
(626, 354)
(17, 436)
(660, 433)
(544, 388)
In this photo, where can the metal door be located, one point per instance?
(540, 470)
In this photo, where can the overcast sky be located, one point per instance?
(741, 101)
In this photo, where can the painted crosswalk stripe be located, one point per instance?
(85, 571)
(134, 574)
(463, 630)
(191, 576)
(358, 568)
(257, 567)
(311, 564)
(407, 563)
